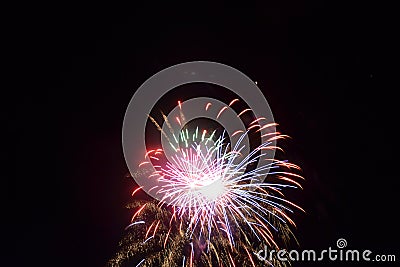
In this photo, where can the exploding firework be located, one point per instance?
(216, 207)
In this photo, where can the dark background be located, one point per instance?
(322, 67)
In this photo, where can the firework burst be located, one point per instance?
(216, 207)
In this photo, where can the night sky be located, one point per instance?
(322, 68)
